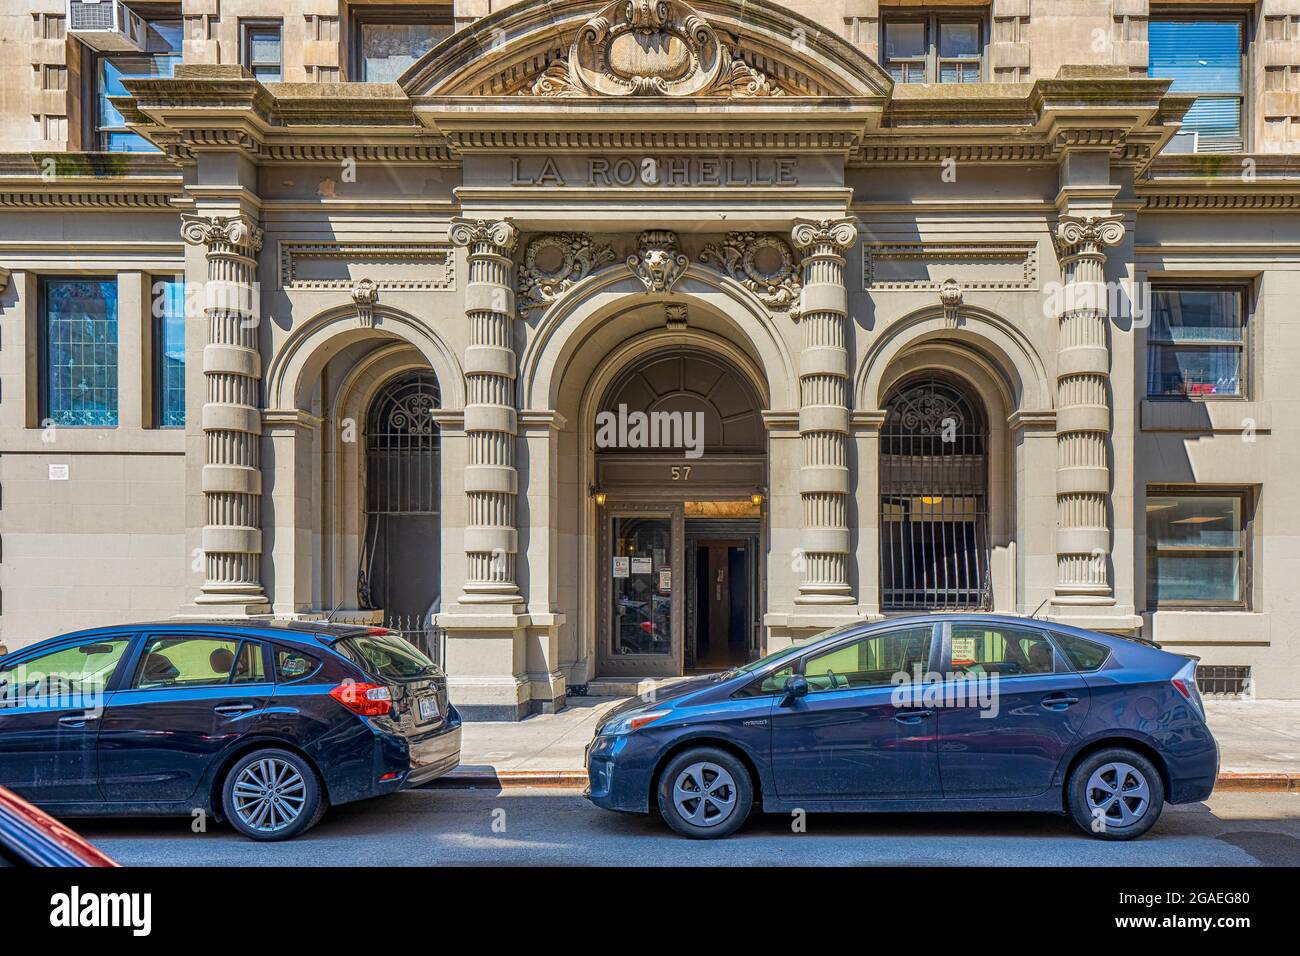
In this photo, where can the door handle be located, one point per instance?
(912, 716)
(1058, 700)
(78, 720)
(233, 709)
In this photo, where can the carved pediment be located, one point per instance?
(730, 49)
(651, 48)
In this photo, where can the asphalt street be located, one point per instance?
(544, 827)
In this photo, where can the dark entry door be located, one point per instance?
(400, 570)
(721, 602)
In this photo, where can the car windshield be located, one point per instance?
(387, 656)
(792, 651)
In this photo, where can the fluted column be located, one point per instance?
(823, 411)
(232, 424)
(1083, 467)
(491, 481)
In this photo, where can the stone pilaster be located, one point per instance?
(491, 481)
(1083, 467)
(232, 424)
(823, 411)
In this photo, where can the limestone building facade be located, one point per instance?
(594, 341)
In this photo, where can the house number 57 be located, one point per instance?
(681, 472)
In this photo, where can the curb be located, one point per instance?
(1228, 780)
(1244, 782)
(509, 779)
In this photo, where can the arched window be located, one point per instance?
(933, 499)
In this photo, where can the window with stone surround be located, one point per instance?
(1198, 547)
(78, 349)
(261, 49)
(167, 314)
(1205, 55)
(1196, 345)
(388, 40)
(934, 47)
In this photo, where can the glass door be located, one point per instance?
(640, 618)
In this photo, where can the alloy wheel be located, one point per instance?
(1117, 793)
(269, 795)
(704, 794)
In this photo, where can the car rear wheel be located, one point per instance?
(705, 793)
(1115, 794)
(272, 794)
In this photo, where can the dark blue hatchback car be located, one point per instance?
(263, 725)
(945, 712)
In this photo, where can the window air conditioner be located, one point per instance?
(1184, 141)
(106, 25)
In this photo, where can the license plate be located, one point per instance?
(428, 708)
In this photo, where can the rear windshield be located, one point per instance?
(387, 656)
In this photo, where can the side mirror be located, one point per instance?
(796, 686)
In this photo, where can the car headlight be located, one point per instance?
(625, 725)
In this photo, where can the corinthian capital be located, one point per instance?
(237, 231)
(837, 233)
(1084, 235)
(499, 233)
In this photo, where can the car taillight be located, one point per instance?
(368, 700)
(1185, 683)
(379, 631)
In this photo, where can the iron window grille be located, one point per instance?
(1223, 680)
(934, 500)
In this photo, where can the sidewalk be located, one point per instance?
(1259, 744)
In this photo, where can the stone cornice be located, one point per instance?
(1227, 181)
(1099, 108)
(87, 181)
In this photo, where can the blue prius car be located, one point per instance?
(946, 712)
(263, 725)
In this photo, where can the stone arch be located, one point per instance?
(342, 505)
(293, 372)
(988, 339)
(1000, 368)
(563, 328)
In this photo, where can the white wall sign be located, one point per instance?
(58, 472)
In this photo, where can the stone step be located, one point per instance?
(629, 686)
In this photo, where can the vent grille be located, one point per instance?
(1223, 680)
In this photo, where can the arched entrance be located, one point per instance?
(681, 478)
(400, 570)
(934, 536)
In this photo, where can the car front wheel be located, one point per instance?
(705, 793)
(272, 794)
(1115, 794)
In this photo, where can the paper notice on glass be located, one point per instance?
(665, 580)
(641, 566)
(621, 567)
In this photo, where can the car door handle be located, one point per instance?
(1058, 700)
(233, 709)
(912, 716)
(78, 720)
